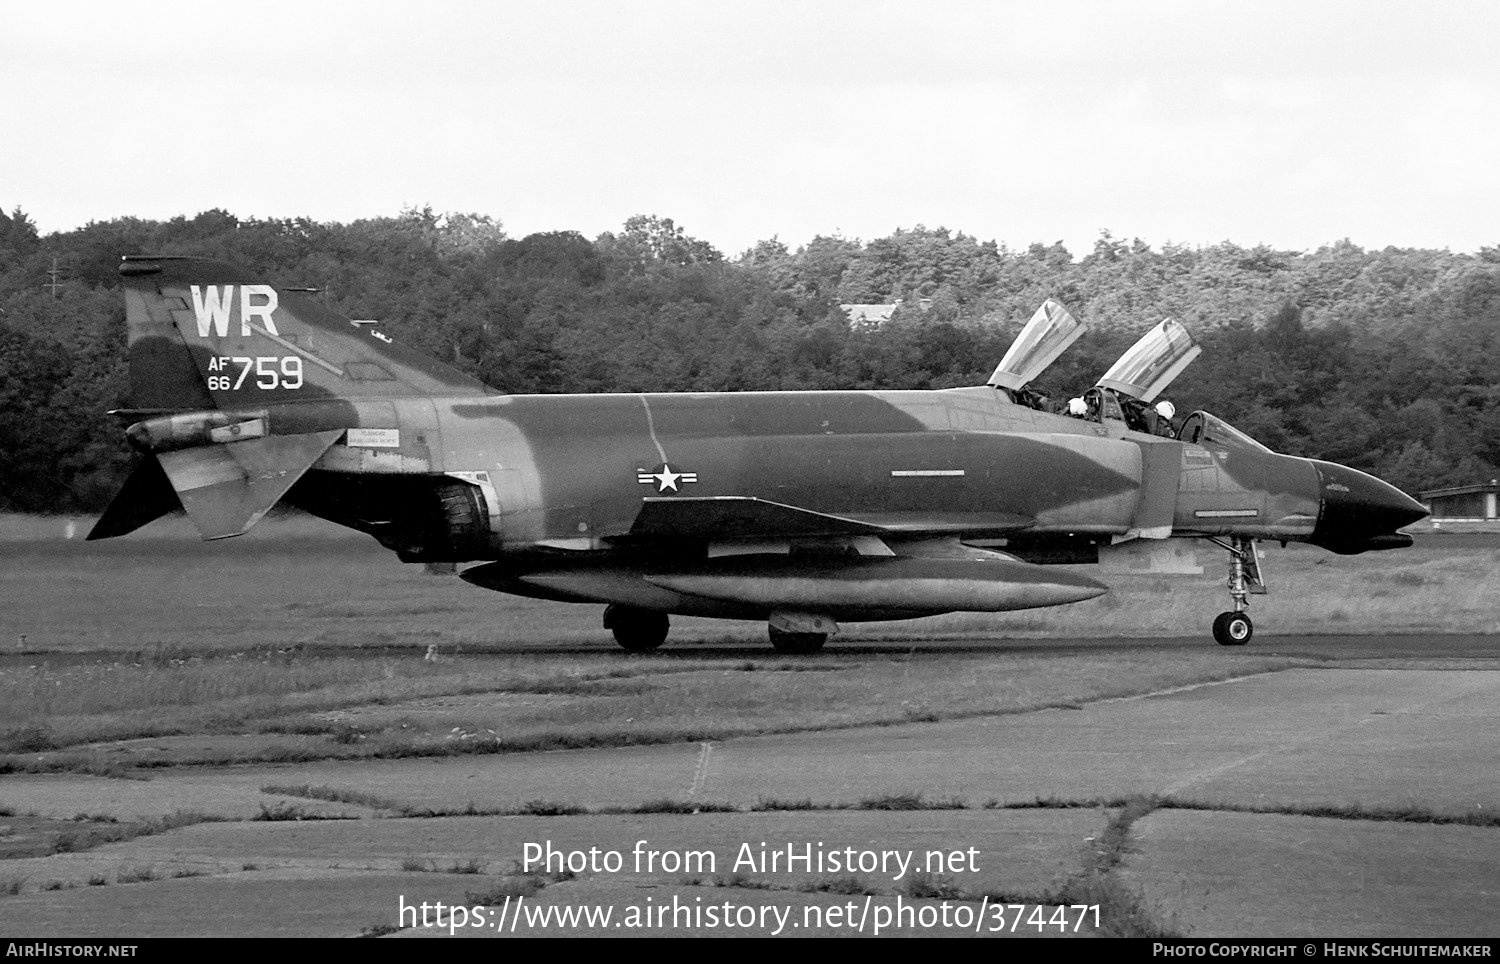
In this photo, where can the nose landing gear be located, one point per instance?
(1234, 628)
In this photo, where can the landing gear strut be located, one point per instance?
(638, 630)
(1234, 628)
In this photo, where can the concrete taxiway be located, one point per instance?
(1307, 802)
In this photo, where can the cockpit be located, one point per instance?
(1102, 404)
(1199, 428)
(1128, 391)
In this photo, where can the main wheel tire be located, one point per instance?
(797, 644)
(1233, 629)
(636, 630)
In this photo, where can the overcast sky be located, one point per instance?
(1292, 123)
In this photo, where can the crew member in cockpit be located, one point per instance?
(1085, 407)
(1149, 420)
(1152, 420)
(1164, 411)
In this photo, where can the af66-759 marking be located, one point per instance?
(271, 372)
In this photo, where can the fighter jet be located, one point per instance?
(802, 509)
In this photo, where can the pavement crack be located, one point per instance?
(1122, 912)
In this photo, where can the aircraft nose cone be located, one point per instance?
(1361, 512)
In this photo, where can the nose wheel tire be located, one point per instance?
(797, 644)
(637, 630)
(1233, 629)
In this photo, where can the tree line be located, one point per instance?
(1383, 360)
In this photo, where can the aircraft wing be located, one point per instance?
(741, 517)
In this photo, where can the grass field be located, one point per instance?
(302, 582)
(301, 641)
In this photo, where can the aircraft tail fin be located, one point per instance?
(206, 334)
(219, 360)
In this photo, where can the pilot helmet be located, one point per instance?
(1166, 409)
(1077, 406)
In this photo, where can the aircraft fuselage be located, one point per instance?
(570, 471)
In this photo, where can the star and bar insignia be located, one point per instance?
(664, 478)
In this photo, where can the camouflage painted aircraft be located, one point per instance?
(803, 509)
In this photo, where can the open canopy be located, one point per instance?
(1150, 365)
(1047, 335)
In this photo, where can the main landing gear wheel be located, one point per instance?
(638, 630)
(1233, 629)
(797, 644)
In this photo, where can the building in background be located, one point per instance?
(873, 316)
(1463, 503)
